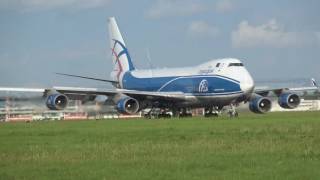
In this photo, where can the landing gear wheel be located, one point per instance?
(180, 113)
(212, 111)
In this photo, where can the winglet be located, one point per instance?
(314, 83)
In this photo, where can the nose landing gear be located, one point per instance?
(232, 113)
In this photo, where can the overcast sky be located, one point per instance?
(275, 39)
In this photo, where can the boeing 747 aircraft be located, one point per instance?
(211, 85)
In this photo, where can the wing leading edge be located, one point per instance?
(75, 91)
(279, 91)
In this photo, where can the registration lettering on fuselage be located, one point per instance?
(206, 71)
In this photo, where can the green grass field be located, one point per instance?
(272, 146)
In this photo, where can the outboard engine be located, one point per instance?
(57, 101)
(260, 105)
(289, 100)
(127, 106)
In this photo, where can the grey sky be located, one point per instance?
(275, 39)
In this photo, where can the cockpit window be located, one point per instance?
(218, 65)
(235, 64)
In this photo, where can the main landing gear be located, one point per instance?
(156, 113)
(212, 111)
(181, 112)
(216, 111)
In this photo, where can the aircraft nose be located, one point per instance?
(247, 85)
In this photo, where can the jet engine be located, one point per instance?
(260, 105)
(127, 106)
(289, 100)
(57, 101)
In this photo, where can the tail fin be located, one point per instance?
(314, 83)
(120, 54)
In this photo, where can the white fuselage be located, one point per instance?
(215, 82)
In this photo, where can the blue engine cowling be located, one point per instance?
(57, 101)
(289, 100)
(260, 105)
(127, 106)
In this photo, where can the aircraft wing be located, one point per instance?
(76, 93)
(141, 95)
(265, 91)
(277, 91)
(10, 89)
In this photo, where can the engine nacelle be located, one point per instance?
(289, 100)
(57, 101)
(260, 105)
(128, 106)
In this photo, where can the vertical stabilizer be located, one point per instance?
(120, 54)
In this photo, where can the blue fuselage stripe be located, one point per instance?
(199, 85)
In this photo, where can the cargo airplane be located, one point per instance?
(212, 85)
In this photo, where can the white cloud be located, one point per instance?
(224, 6)
(168, 8)
(41, 5)
(202, 29)
(270, 34)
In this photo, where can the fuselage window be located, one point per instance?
(218, 65)
(235, 64)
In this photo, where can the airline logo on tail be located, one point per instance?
(118, 60)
